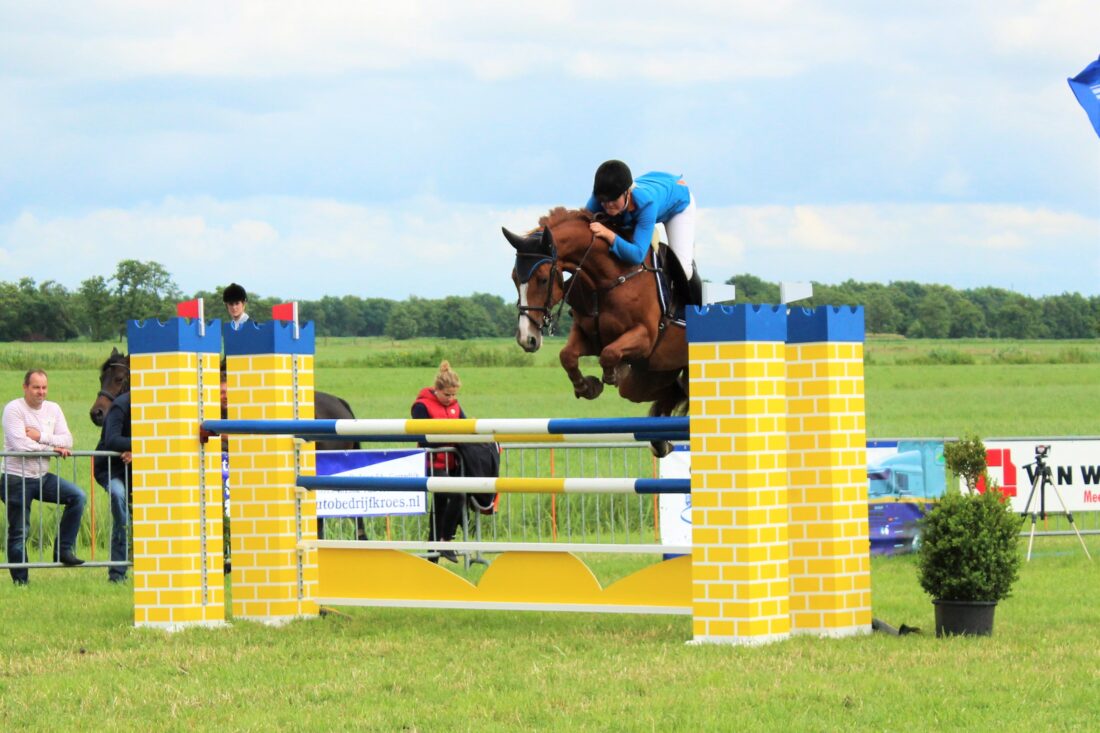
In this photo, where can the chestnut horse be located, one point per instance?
(617, 314)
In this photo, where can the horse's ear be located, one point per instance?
(514, 239)
(114, 351)
(547, 240)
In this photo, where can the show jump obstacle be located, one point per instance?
(778, 486)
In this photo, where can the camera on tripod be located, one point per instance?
(1042, 451)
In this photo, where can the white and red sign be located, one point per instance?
(1074, 473)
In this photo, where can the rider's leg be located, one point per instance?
(681, 240)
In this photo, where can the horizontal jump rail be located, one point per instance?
(501, 485)
(458, 546)
(638, 426)
(527, 440)
(504, 606)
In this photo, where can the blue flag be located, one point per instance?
(1086, 87)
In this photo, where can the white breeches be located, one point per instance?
(680, 230)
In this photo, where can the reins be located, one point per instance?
(572, 282)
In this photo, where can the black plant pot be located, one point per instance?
(967, 618)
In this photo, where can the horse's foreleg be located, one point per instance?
(634, 343)
(575, 347)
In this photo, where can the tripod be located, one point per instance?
(1039, 482)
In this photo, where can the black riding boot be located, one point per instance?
(695, 287)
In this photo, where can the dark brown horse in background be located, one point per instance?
(617, 314)
(114, 379)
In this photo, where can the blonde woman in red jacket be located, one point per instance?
(440, 402)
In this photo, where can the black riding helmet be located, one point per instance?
(612, 180)
(234, 294)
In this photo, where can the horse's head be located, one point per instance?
(114, 379)
(538, 280)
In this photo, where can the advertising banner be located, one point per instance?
(406, 463)
(1074, 472)
(675, 509)
(905, 477)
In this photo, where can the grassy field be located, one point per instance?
(1042, 389)
(70, 658)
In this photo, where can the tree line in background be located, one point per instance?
(100, 307)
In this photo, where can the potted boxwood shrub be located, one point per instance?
(969, 553)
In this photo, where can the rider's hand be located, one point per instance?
(602, 232)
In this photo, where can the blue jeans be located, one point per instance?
(18, 493)
(120, 524)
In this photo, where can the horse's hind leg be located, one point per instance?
(663, 406)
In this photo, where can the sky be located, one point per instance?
(376, 149)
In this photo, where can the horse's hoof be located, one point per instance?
(590, 389)
(660, 448)
(610, 377)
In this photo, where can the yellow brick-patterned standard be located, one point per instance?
(272, 580)
(740, 587)
(829, 548)
(177, 536)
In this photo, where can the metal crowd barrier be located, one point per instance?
(94, 537)
(567, 518)
(524, 517)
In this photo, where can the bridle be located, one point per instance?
(549, 320)
(107, 395)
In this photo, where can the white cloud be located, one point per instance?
(675, 44)
(1037, 251)
(431, 248)
(291, 247)
(285, 144)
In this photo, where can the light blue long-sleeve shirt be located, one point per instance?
(657, 198)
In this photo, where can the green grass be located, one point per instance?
(905, 396)
(71, 659)
(988, 399)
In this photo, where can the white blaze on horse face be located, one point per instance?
(528, 335)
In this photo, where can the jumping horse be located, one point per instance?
(114, 379)
(617, 313)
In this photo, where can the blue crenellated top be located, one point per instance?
(825, 323)
(717, 323)
(273, 337)
(174, 335)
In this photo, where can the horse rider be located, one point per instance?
(654, 198)
(235, 299)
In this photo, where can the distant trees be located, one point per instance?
(101, 305)
(95, 309)
(30, 312)
(937, 311)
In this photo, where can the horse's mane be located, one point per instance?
(561, 214)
